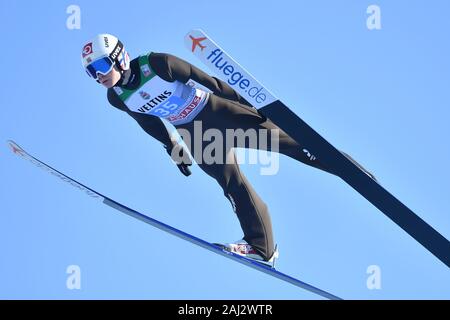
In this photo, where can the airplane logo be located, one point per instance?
(196, 42)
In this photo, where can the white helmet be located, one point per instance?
(103, 52)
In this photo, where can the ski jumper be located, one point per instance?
(157, 88)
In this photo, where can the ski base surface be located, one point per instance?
(16, 149)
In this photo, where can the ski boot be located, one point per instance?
(242, 248)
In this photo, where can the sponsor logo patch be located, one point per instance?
(118, 90)
(144, 95)
(186, 111)
(87, 49)
(146, 70)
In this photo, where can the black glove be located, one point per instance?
(180, 157)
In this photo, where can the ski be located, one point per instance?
(228, 70)
(16, 149)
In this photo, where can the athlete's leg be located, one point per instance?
(234, 115)
(251, 211)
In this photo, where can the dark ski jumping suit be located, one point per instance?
(223, 108)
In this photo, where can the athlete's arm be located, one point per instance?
(172, 68)
(151, 124)
(155, 127)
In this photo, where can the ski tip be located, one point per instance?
(195, 31)
(14, 147)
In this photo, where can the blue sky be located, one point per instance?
(382, 96)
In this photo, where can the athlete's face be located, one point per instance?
(110, 79)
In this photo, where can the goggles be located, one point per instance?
(102, 65)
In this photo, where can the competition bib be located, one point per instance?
(175, 101)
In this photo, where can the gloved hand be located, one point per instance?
(180, 157)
